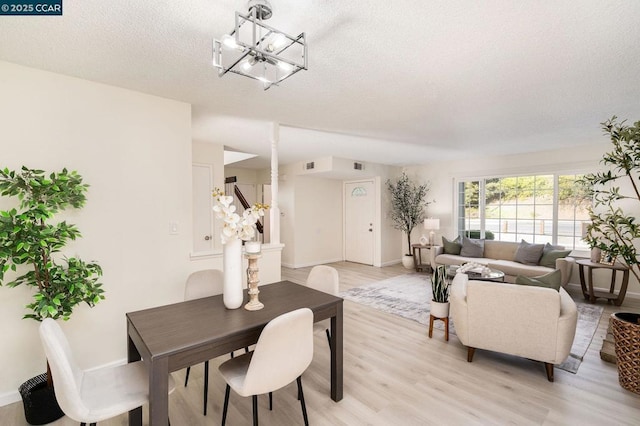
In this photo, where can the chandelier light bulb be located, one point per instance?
(279, 41)
(229, 42)
(285, 66)
(246, 65)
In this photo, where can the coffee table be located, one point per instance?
(493, 275)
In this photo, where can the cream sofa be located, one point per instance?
(532, 322)
(499, 255)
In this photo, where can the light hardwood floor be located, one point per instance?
(395, 375)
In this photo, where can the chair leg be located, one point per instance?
(270, 401)
(304, 407)
(470, 352)
(206, 385)
(186, 378)
(226, 404)
(328, 337)
(255, 410)
(549, 367)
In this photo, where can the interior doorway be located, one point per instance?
(202, 181)
(359, 224)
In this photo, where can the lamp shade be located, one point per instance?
(432, 223)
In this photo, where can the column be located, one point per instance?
(274, 210)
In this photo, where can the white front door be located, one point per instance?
(202, 207)
(359, 221)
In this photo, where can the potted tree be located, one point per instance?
(30, 249)
(407, 209)
(616, 233)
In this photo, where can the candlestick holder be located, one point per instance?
(252, 280)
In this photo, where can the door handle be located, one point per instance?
(207, 237)
(370, 230)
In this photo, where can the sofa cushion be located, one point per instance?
(505, 250)
(452, 259)
(550, 280)
(453, 246)
(509, 267)
(528, 253)
(551, 253)
(472, 248)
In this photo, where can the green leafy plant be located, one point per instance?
(440, 284)
(407, 204)
(28, 242)
(611, 229)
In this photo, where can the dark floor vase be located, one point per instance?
(40, 405)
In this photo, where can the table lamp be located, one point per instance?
(431, 225)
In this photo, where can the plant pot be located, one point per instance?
(626, 333)
(407, 261)
(39, 401)
(595, 255)
(440, 309)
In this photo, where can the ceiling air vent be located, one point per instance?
(310, 166)
(358, 166)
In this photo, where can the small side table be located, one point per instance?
(446, 326)
(417, 257)
(589, 292)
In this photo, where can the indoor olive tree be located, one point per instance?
(611, 229)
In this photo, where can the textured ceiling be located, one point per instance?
(396, 82)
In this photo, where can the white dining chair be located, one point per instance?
(205, 283)
(324, 278)
(94, 395)
(283, 352)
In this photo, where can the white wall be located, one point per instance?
(135, 152)
(318, 221)
(582, 159)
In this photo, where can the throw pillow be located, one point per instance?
(528, 254)
(451, 247)
(472, 248)
(549, 257)
(551, 280)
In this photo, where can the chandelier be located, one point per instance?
(258, 51)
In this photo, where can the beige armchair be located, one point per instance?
(532, 322)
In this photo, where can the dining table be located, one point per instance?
(172, 337)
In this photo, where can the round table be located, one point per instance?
(587, 285)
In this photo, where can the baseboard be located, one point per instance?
(14, 396)
(391, 262)
(9, 398)
(630, 294)
(305, 265)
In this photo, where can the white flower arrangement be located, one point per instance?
(235, 226)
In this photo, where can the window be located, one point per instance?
(550, 208)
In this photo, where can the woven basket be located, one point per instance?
(626, 332)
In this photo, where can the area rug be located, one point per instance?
(408, 296)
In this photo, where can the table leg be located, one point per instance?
(582, 281)
(592, 297)
(336, 355)
(613, 281)
(159, 392)
(135, 415)
(623, 288)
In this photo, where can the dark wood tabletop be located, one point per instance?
(172, 337)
